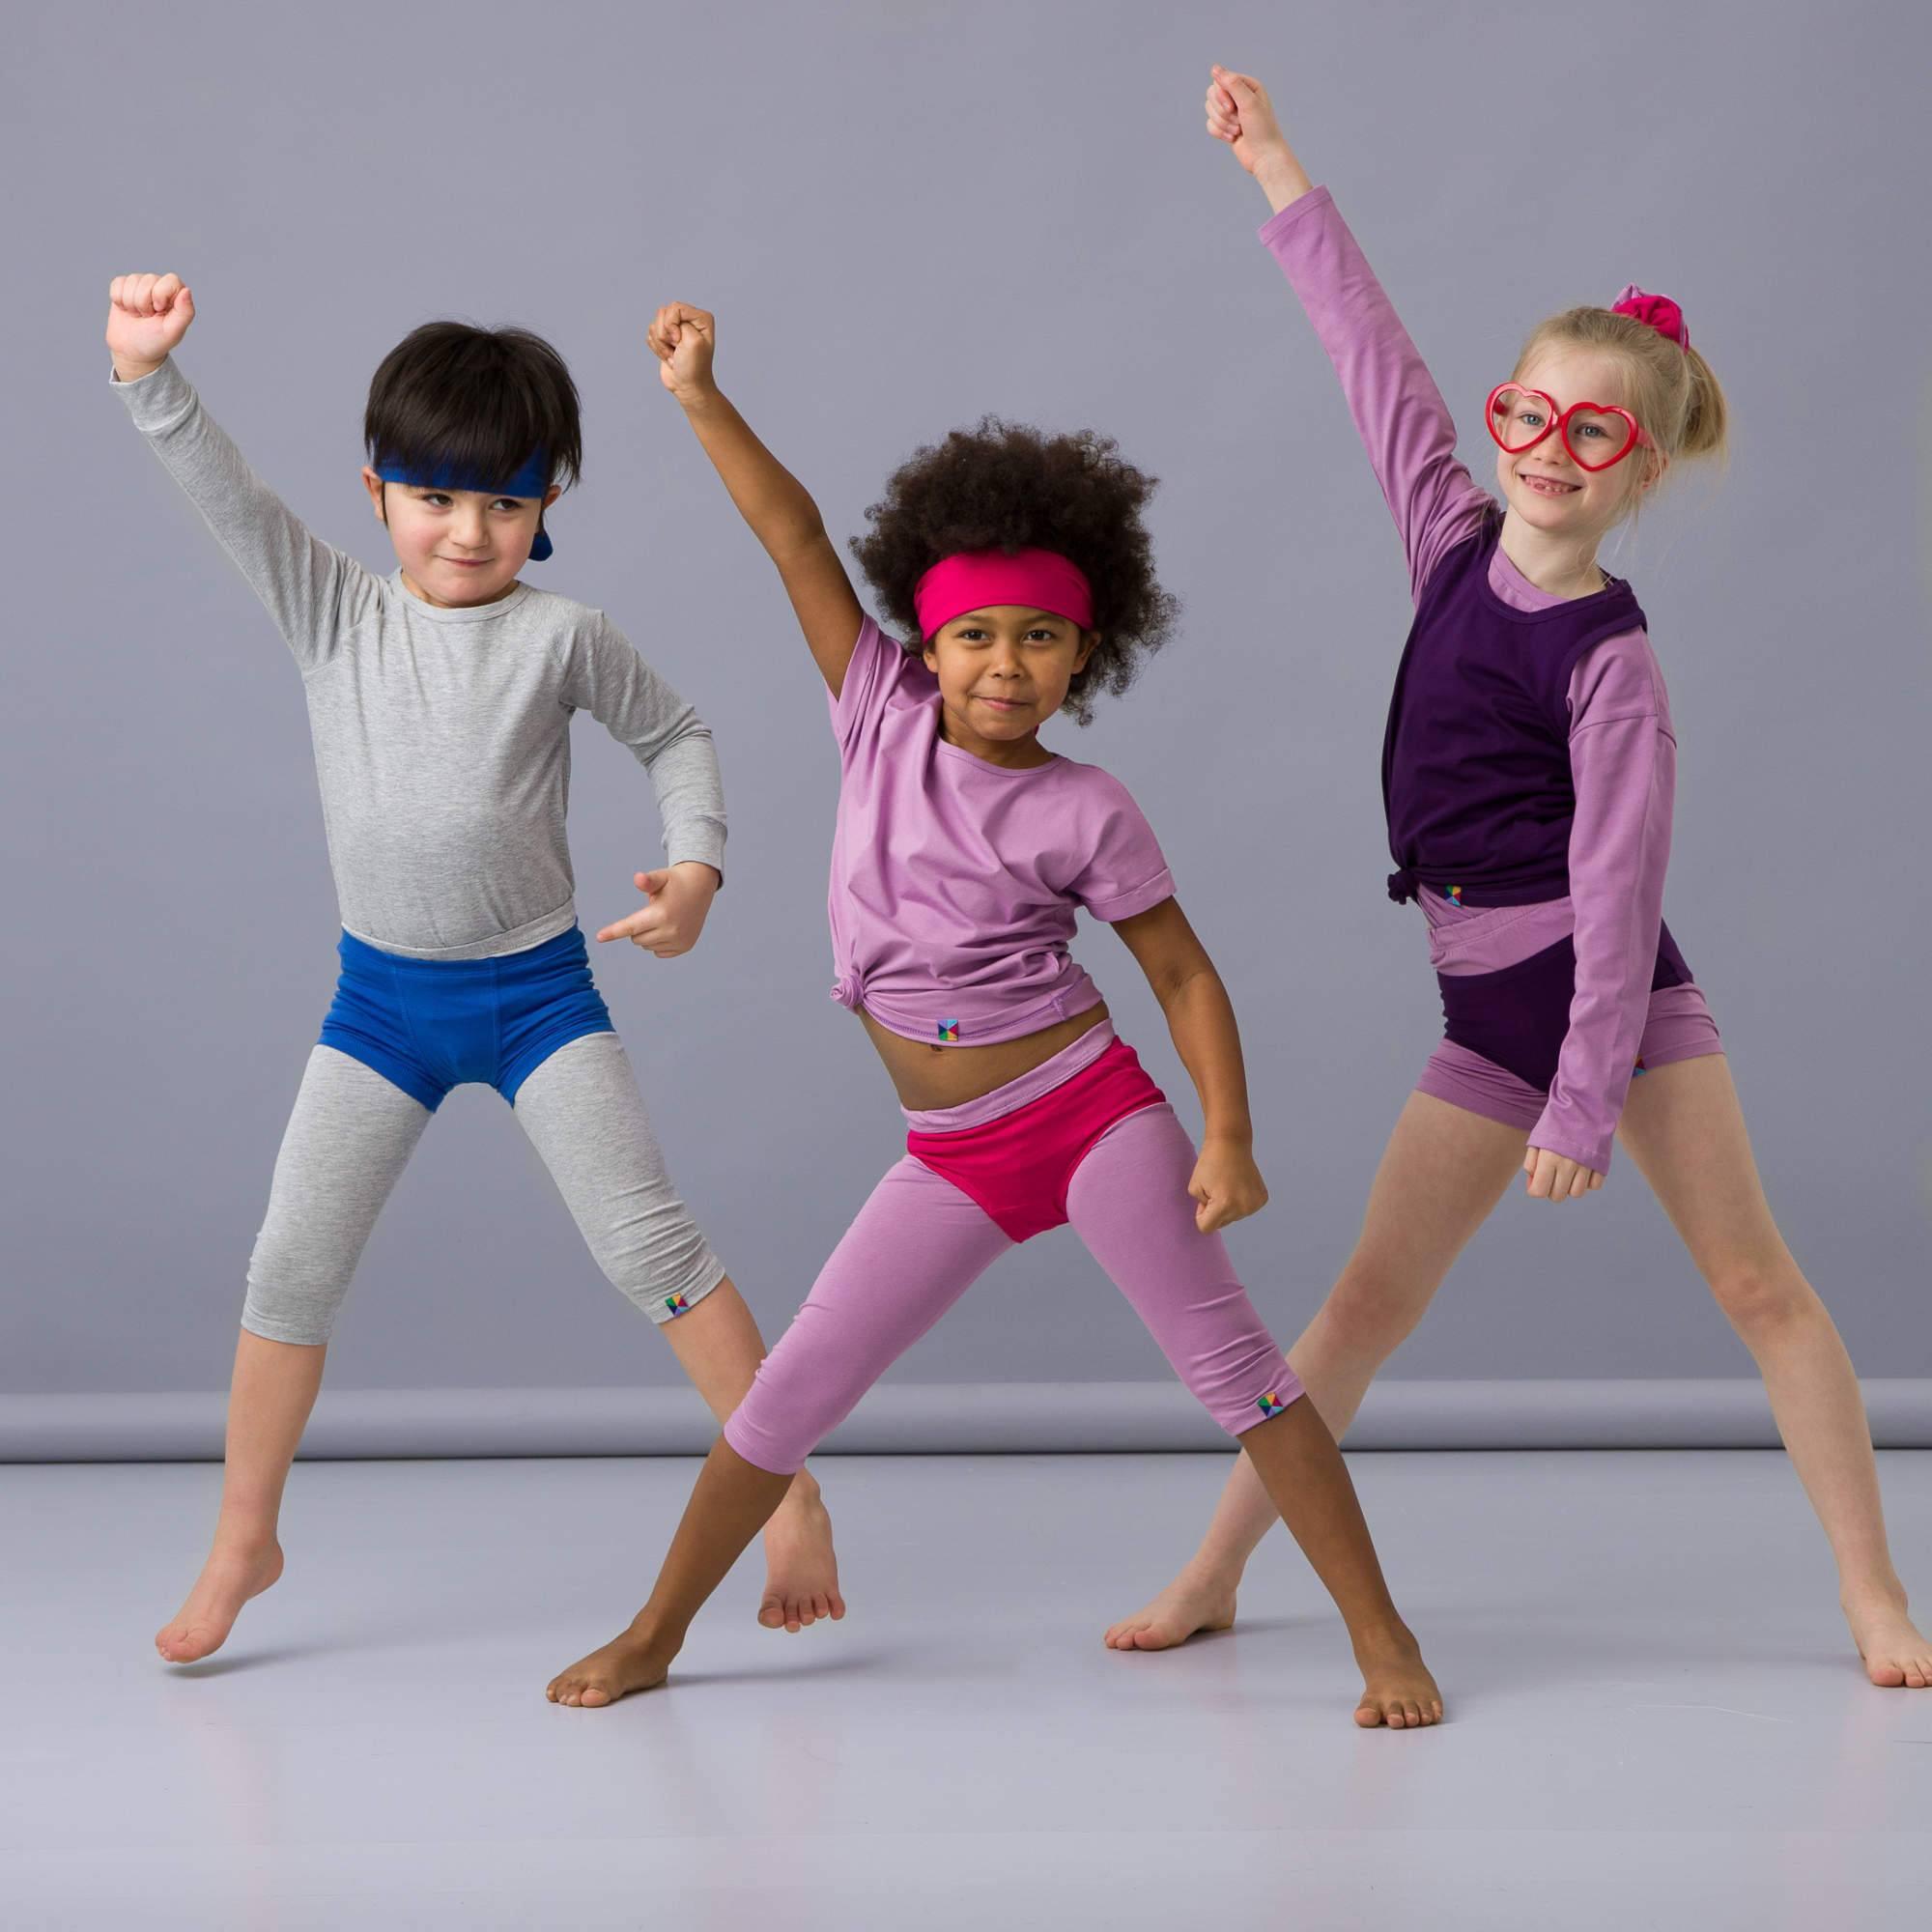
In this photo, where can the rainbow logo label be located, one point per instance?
(1456, 894)
(677, 1303)
(1639, 1068)
(1271, 1403)
(948, 1028)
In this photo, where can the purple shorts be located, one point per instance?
(1507, 979)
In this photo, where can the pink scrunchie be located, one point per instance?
(1660, 311)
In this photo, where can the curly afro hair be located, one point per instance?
(1008, 486)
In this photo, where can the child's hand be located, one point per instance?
(679, 896)
(1554, 1177)
(684, 339)
(147, 317)
(1241, 113)
(1226, 1184)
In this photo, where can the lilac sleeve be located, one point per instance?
(1122, 870)
(1399, 411)
(1622, 758)
(879, 665)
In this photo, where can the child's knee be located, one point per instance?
(287, 1311)
(796, 1400)
(1243, 1385)
(665, 1284)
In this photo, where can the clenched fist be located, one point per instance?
(684, 339)
(147, 317)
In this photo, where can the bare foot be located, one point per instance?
(1895, 1655)
(1397, 1689)
(637, 1661)
(801, 1570)
(227, 1581)
(1188, 1605)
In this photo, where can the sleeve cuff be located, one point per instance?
(160, 401)
(1277, 225)
(1557, 1134)
(1142, 899)
(691, 850)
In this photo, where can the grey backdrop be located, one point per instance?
(905, 216)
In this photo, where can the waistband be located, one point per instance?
(499, 945)
(1016, 1093)
(1406, 883)
(568, 945)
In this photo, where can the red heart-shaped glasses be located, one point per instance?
(1596, 434)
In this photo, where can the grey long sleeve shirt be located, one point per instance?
(442, 736)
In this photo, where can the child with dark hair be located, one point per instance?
(963, 849)
(440, 698)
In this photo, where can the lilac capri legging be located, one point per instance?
(919, 1242)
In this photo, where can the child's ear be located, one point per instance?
(550, 494)
(1090, 642)
(932, 656)
(373, 483)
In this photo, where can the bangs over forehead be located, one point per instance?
(1575, 372)
(455, 400)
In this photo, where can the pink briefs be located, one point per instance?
(1018, 1165)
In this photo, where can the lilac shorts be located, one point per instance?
(1506, 975)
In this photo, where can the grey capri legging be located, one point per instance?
(350, 1135)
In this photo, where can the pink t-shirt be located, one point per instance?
(954, 882)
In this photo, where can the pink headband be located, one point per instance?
(971, 580)
(1660, 311)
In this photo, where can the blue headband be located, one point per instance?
(531, 481)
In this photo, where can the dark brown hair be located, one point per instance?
(473, 402)
(1010, 487)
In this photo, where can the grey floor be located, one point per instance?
(1656, 1713)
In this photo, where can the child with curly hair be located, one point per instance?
(962, 851)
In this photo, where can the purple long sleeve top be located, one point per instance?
(1622, 748)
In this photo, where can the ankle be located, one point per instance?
(804, 1492)
(1879, 1590)
(655, 1634)
(1211, 1573)
(245, 1537)
(1384, 1635)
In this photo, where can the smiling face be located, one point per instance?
(1544, 486)
(457, 546)
(1003, 673)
